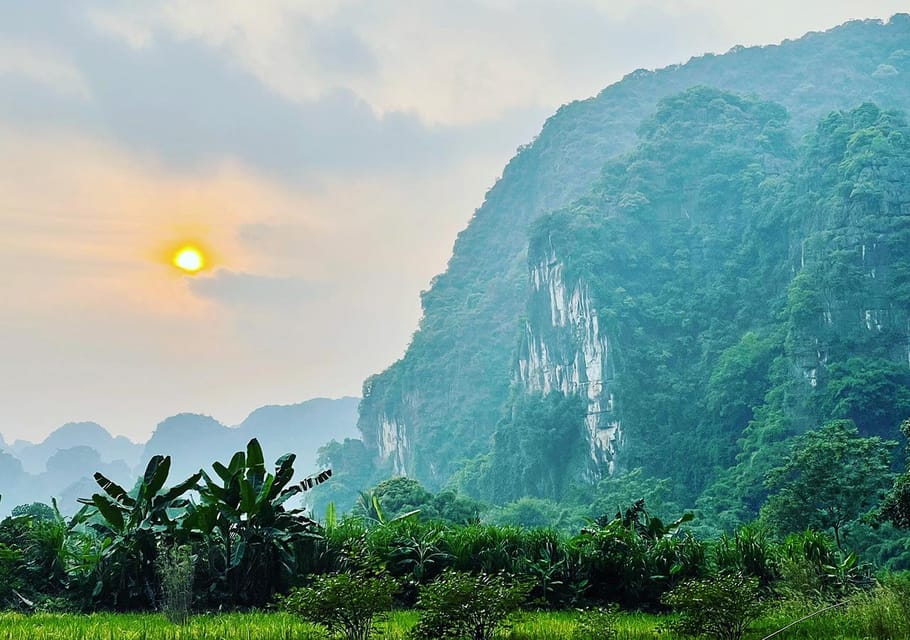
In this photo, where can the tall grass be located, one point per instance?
(877, 614)
(105, 626)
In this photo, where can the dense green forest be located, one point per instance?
(226, 539)
(668, 291)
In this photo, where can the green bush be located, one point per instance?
(175, 573)
(634, 558)
(812, 567)
(749, 551)
(461, 605)
(720, 607)
(885, 610)
(346, 604)
(597, 624)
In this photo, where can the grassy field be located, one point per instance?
(861, 619)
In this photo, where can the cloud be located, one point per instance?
(43, 66)
(190, 100)
(179, 102)
(347, 88)
(268, 293)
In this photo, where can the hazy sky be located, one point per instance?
(325, 152)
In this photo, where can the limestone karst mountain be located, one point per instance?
(705, 256)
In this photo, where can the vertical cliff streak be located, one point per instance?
(565, 350)
(393, 443)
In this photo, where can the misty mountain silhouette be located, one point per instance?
(63, 463)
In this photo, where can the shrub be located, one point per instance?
(748, 551)
(634, 558)
(885, 611)
(812, 567)
(597, 624)
(175, 571)
(344, 603)
(720, 607)
(461, 605)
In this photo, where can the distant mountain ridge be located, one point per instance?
(191, 439)
(72, 434)
(62, 464)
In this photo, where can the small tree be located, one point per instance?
(347, 604)
(896, 507)
(175, 572)
(720, 607)
(830, 478)
(597, 624)
(460, 605)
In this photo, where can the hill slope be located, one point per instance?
(439, 406)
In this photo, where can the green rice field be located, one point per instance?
(862, 619)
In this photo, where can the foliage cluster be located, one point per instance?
(462, 605)
(802, 250)
(344, 603)
(721, 607)
(144, 547)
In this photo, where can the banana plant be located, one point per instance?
(372, 511)
(254, 543)
(130, 525)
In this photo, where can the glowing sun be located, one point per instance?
(189, 259)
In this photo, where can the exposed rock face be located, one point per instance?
(393, 444)
(565, 349)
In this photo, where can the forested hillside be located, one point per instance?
(675, 276)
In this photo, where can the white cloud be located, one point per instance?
(469, 61)
(450, 63)
(43, 65)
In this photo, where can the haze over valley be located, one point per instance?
(61, 466)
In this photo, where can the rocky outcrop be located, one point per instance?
(565, 349)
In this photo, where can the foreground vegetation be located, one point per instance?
(868, 616)
(228, 541)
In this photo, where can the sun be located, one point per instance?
(189, 259)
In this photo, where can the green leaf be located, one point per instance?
(311, 481)
(159, 477)
(286, 495)
(223, 472)
(109, 510)
(266, 490)
(113, 489)
(405, 516)
(284, 471)
(254, 457)
(238, 553)
(177, 490)
(247, 498)
(238, 462)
